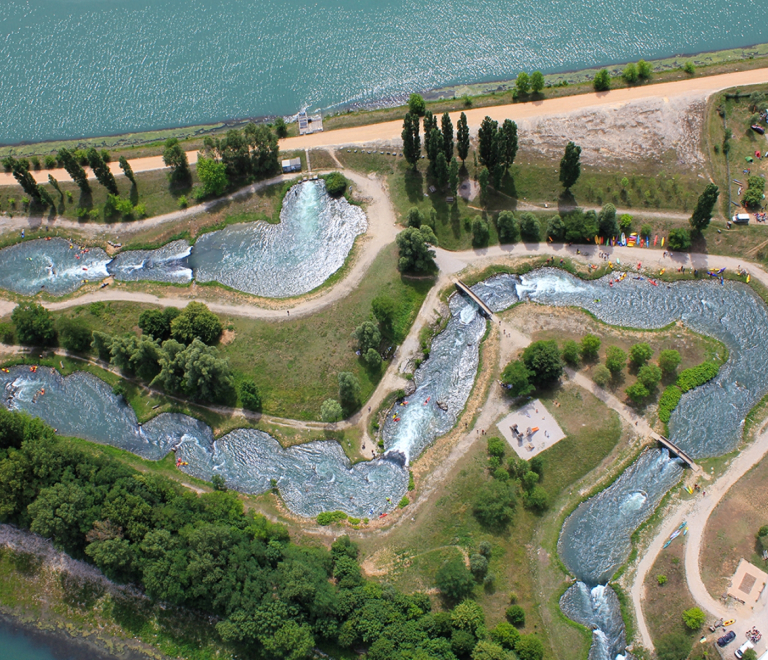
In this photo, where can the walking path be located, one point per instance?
(389, 132)
(697, 512)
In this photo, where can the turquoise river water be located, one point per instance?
(74, 68)
(317, 476)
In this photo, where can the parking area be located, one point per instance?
(530, 430)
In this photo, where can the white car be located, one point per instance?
(739, 652)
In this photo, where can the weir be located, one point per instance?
(674, 450)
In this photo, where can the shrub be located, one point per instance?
(496, 447)
(416, 105)
(73, 335)
(601, 375)
(571, 353)
(281, 130)
(516, 615)
(485, 548)
(689, 68)
(669, 360)
(536, 499)
(697, 376)
(494, 505)
(480, 233)
(454, 579)
(330, 411)
(661, 579)
(668, 402)
(335, 184)
(50, 162)
(7, 334)
(250, 396)
(694, 618)
(644, 70)
(625, 222)
(529, 228)
(630, 73)
(602, 81)
(590, 345)
(34, 325)
(505, 634)
(518, 377)
(679, 239)
(673, 646)
(183, 202)
(196, 321)
(615, 359)
(507, 227)
(404, 502)
(529, 647)
(330, 517)
(649, 375)
(478, 565)
(640, 353)
(637, 392)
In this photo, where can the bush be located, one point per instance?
(669, 360)
(480, 233)
(416, 105)
(601, 375)
(668, 402)
(650, 376)
(590, 345)
(689, 68)
(694, 618)
(517, 376)
(372, 358)
(330, 411)
(679, 239)
(335, 184)
(644, 70)
(281, 129)
(697, 376)
(496, 447)
(661, 579)
(673, 646)
(494, 505)
(34, 325)
(602, 81)
(615, 359)
(507, 227)
(74, 336)
(640, 353)
(529, 228)
(478, 565)
(536, 499)
(529, 647)
(630, 73)
(415, 217)
(7, 334)
(485, 548)
(505, 634)
(516, 615)
(329, 517)
(542, 359)
(404, 502)
(196, 321)
(250, 396)
(625, 222)
(454, 580)
(571, 353)
(637, 392)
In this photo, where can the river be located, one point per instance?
(74, 68)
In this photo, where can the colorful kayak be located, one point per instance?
(676, 533)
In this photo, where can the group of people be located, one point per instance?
(761, 217)
(754, 635)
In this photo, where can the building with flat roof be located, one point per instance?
(748, 583)
(291, 165)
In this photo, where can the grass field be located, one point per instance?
(295, 362)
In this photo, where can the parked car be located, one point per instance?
(739, 653)
(726, 639)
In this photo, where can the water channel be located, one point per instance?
(317, 476)
(309, 244)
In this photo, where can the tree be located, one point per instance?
(630, 73)
(453, 177)
(506, 224)
(480, 233)
(679, 239)
(349, 390)
(529, 647)
(485, 650)
(290, 642)
(571, 353)
(516, 616)
(509, 142)
(694, 618)
(441, 170)
(330, 411)
(625, 222)
(454, 579)
(446, 126)
(367, 335)
(336, 184)
(602, 81)
(637, 392)
(673, 646)
(518, 379)
(175, 157)
(26, 180)
(415, 255)
(281, 128)
(206, 375)
(478, 566)
(530, 231)
(34, 325)
(615, 359)
(74, 169)
(689, 68)
(487, 150)
(411, 139)
(601, 375)
(250, 396)
(372, 358)
(590, 345)
(462, 137)
(669, 361)
(542, 358)
(644, 70)
(650, 376)
(537, 82)
(702, 214)
(556, 228)
(570, 165)
(384, 309)
(749, 654)
(157, 323)
(640, 353)
(73, 336)
(433, 142)
(523, 83)
(484, 179)
(196, 321)
(753, 197)
(213, 176)
(102, 171)
(416, 105)
(606, 221)
(55, 185)
(415, 217)
(505, 634)
(494, 505)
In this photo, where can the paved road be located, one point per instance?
(389, 132)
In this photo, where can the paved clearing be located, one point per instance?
(530, 416)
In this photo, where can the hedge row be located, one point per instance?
(668, 402)
(330, 517)
(698, 375)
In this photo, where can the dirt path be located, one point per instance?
(389, 132)
(697, 512)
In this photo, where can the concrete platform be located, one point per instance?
(530, 416)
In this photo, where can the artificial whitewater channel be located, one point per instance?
(318, 477)
(309, 244)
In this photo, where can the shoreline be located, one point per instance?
(481, 89)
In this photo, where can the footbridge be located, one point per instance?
(484, 309)
(675, 450)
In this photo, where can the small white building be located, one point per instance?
(291, 165)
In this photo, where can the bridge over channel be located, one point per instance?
(675, 450)
(484, 309)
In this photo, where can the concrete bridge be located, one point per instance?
(675, 450)
(484, 309)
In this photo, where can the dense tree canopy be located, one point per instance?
(542, 358)
(415, 255)
(570, 165)
(196, 321)
(34, 325)
(702, 214)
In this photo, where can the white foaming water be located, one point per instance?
(634, 502)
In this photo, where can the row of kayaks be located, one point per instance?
(683, 529)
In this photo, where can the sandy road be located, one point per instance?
(389, 132)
